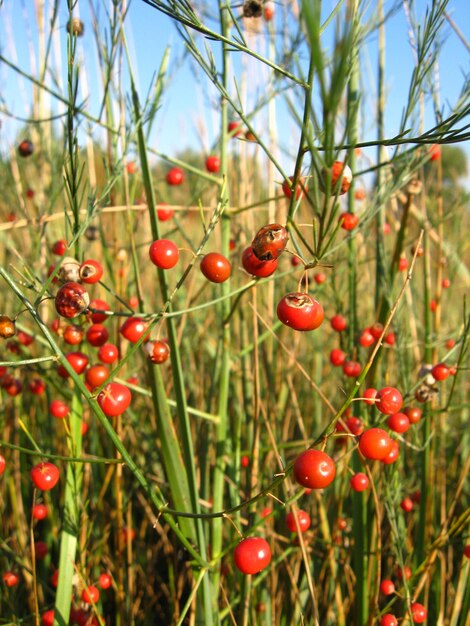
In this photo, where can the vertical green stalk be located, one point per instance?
(425, 461)
(74, 474)
(221, 431)
(70, 516)
(359, 502)
(380, 219)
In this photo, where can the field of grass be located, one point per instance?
(156, 404)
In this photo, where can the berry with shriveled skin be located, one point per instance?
(71, 300)
(255, 267)
(270, 242)
(7, 327)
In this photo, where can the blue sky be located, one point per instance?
(189, 116)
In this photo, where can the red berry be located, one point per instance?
(348, 221)
(114, 399)
(352, 369)
(11, 579)
(434, 152)
(26, 148)
(164, 214)
(105, 581)
(270, 242)
(13, 386)
(39, 511)
(96, 375)
(131, 167)
(234, 129)
(158, 351)
(406, 572)
(255, 267)
(418, 613)
(340, 177)
(314, 469)
(164, 254)
(376, 330)
(393, 454)
(398, 422)
(337, 357)
(91, 271)
(216, 267)
(299, 189)
(300, 311)
(390, 339)
(268, 11)
(359, 482)
(389, 400)
(450, 343)
(91, 594)
(97, 308)
(354, 425)
(338, 323)
(108, 353)
(71, 300)
(133, 329)
(97, 335)
(387, 587)
(212, 164)
(402, 264)
(445, 283)
(2, 464)
(73, 335)
(40, 550)
(47, 618)
(375, 444)
(252, 555)
(245, 461)
(303, 519)
(388, 620)
(45, 475)
(77, 360)
(369, 396)
(319, 278)
(59, 409)
(175, 176)
(37, 386)
(59, 247)
(366, 338)
(466, 551)
(413, 413)
(406, 504)
(440, 371)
